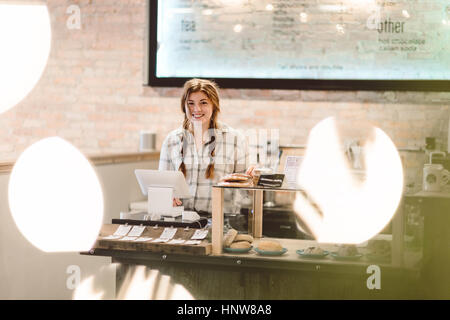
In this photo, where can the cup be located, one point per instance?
(147, 141)
(434, 177)
(124, 215)
(430, 143)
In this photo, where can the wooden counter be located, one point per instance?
(252, 276)
(421, 275)
(290, 276)
(222, 275)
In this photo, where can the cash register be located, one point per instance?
(161, 187)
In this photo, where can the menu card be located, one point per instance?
(291, 170)
(176, 241)
(128, 238)
(143, 239)
(111, 237)
(136, 231)
(193, 242)
(122, 230)
(160, 240)
(168, 233)
(200, 234)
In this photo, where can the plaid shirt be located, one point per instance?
(231, 155)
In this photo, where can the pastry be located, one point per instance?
(313, 250)
(236, 184)
(232, 178)
(240, 175)
(241, 245)
(379, 247)
(267, 245)
(236, 177)
(236, 180)
(348, 251)
(229, 237)
(244, 237)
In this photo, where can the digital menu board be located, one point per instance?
(346, 44)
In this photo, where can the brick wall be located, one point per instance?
(92, 94)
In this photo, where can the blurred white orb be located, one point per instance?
(55, 197)
(25, 41)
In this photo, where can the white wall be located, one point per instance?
(28, 273)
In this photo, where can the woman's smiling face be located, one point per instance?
(199, 108)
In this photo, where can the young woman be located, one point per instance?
(204, 149)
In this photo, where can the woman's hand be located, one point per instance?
(250, 170)
(177, 202)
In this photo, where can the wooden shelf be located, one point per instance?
(103, 159)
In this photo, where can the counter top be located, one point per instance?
(102, 159)
(429, 194)
(281, 189)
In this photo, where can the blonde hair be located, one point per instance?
(211, 90)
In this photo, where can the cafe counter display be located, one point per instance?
(302, 269)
